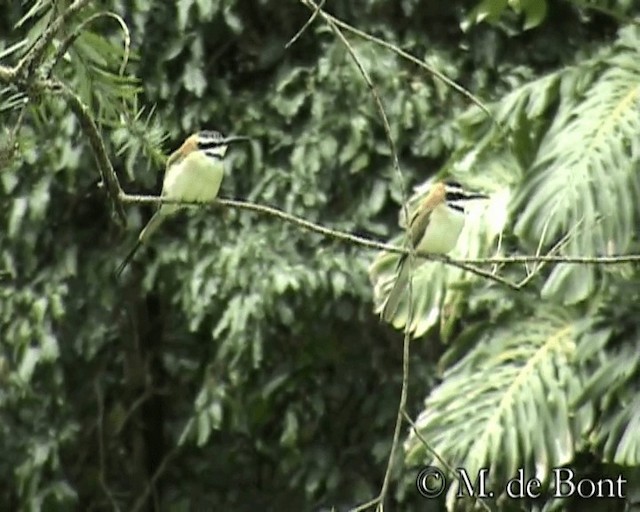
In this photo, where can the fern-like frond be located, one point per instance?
(11, 99)
(620, 434)
(140, 132)
(96, 62)
(611, 385)
(507, 404)
(586, 173)
(613, 372)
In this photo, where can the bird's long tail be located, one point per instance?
(399, 289)
(145, 234)
(152, 225)
(128, 258)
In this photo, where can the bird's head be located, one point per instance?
(456, 196)
(449, 194)
(212, 143)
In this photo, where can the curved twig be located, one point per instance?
(66, 44)
(33, 58)
(381, 42)
(90, 129)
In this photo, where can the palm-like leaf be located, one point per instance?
(586, 174)
(611, 384)
(10, 99)
(507, 404)
(620, 434)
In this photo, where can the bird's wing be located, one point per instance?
(418, 225)
(173, 159)
(420, 218)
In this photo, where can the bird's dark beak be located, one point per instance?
(235, 138)
(476, 195)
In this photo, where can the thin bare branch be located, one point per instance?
(344, 236)
(381, 42)
(576, 260)
(450, 469)
(162, 467)
(323, 230)
(407, 238)
(306, 25)
(538, 266)
(90, 129)
(68, 42)
(101, 448)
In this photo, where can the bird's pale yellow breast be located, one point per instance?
(194, 177)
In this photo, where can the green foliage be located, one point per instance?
(140, 139)
(508, 403)
(533, 11)
(558, 186)
(239, 365)
(584, 177)
(561, 164)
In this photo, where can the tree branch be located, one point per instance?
(574, 260)
(21, 77)
(71, 39)
(33, 58)
(107, 174)
(433, 71)
(140, 502)
(306, 25)
(101, 448)
(452, 472)
(380, 499)
(323, 230)
(374, 244)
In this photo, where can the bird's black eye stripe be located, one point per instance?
(209, 144)
(460, 194)
(212, 154)
(456, 195)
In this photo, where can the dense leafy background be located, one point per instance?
(241, 359)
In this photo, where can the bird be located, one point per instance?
(434, 227)
(193, 173)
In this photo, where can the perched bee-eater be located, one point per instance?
(193, 173)
(434, 227)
